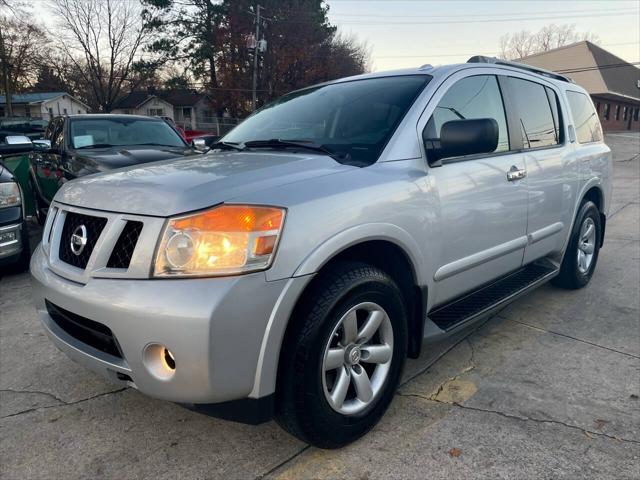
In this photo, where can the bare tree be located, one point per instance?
(21, 42)
(102, 39)
(525, 43)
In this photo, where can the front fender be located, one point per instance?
(360, 234)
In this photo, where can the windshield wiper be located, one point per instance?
(96, 145)
(226, 146)
(152, 144)
(277, 143)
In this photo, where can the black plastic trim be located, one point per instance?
(252, 411)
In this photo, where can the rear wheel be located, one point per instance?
(343, 357)
(582, 252)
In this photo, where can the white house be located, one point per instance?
(187, 108)
(43, 105)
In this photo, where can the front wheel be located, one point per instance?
(582, 252)
(343, 357)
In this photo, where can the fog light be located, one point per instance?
(169, 360)
(159, 361)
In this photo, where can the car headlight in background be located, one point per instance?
(10, 195)
(224, 240)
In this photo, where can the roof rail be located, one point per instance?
(521, 66)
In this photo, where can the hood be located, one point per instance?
(119, 157)
(178, 186)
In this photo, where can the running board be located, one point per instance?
(492, 296)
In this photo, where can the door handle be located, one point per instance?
(516, 173)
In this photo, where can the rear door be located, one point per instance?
(482, 214)
(551, 167)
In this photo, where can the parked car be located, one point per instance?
(325, 239)
(15, 251)
(33, 128)
(86, 144)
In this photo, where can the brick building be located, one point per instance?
(614, 84)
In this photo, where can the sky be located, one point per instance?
(409, 33)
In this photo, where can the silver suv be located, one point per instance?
(289, 272)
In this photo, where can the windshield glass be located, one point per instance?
(122, 132)
(352, 119)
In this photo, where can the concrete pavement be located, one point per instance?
(548, 388)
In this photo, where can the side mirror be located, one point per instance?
(199, 144)
(463, 137)
(42, 145)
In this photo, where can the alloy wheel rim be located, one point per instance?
(357, 358)
(586, 245)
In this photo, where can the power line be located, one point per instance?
(490, 15)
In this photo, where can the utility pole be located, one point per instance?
(256, 52)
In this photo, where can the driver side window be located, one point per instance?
(470, 98)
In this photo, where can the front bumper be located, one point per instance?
(11, 242)
(214, 328)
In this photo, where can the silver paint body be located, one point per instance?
(461, 225)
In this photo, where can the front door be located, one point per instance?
(483, 205)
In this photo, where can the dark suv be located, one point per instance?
(92, 143)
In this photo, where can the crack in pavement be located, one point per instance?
(585, 431)
(613, 214)
(471, 366)
(36, 392)
(533, 327)
(283, 463)
(62, 402)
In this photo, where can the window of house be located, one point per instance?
(598, 107)
(127, 111)
(155, 112)
(64, 110)
(624, 112)
(585, 118)
(186, 112)
(472, 97)
(607, 108)
(535, 113)
(617, 112)
(635, 114)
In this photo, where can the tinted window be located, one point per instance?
(585, 118)
(471, 98)
(120, 132)
(535, 115)
(353, 119)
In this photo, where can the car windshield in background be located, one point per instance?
(122, 132)
(353, 120)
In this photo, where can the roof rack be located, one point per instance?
(521, 66)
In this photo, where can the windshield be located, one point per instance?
(353, 119)
(122, 132)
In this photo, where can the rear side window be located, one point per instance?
(585, 118)
(535, 113)
(471, 98)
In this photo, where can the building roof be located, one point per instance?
(177, 98)
(24, 98)
(598, 71)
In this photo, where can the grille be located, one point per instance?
(126, 244)
(87, 331)
(94, 226)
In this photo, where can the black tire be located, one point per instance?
(39, 213)
(571, 276)
(301, 406)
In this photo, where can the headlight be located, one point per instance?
(221, 241)
(10, 195)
